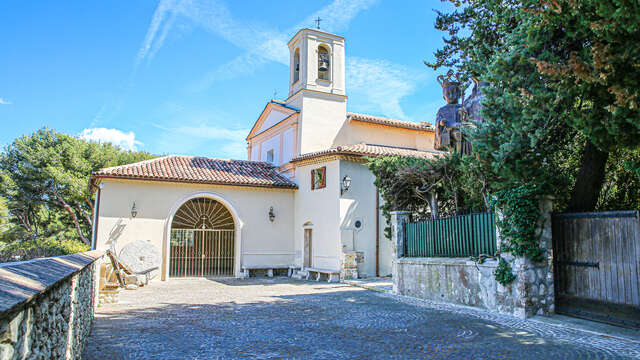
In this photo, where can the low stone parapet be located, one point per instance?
(47, 306)
(463, 281)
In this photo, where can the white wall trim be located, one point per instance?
(238, 224)
(268, 252)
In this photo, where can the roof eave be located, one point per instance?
(190, 181)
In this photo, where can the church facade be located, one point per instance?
(303, 199)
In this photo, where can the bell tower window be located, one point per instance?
(323, 63)
(296, 66)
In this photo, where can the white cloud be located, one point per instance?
(5, 102)
(337, 15)
(381, 84)
(377, 84)
(102, 135)
(165, 7)
(261, 43)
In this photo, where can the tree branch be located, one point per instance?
(84, 214)
(71, 213)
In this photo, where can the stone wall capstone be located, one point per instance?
(47, 306)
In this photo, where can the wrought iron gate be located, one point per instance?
(201, 253)
(597, 266)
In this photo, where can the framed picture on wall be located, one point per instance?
(319, 178)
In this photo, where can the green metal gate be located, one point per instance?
(458, 236)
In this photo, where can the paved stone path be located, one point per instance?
(282, 318)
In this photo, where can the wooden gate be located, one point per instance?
(597, 266)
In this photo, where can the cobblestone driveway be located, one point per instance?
(281, 318)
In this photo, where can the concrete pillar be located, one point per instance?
(398, 219)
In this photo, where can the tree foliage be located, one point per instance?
(44, 179)
(564, 81)
(405, 183)
(561, 71)
(621, 190)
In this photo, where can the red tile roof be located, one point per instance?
(201, 170)
(390, 122)
(369, 150)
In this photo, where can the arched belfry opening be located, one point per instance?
(202, 240)
(324, 64)
(296, 65)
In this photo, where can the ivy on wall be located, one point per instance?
(520, 209)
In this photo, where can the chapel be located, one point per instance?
(302, 202)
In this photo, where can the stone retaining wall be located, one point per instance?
(462, 281)
(47, 306)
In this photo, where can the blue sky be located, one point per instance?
(191, 76)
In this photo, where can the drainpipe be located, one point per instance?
(96, 210)
(377, 232)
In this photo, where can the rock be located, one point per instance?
(542, 290)
(140, 256)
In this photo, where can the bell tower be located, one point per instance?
(317, 62)
(317, 87)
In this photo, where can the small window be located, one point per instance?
(270, 156)
(319, 178)
(323, 63)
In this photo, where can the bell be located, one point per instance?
(323, 62)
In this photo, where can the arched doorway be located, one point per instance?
(202, 240)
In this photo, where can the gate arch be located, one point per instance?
(203, 235)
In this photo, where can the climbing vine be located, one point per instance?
(503, 273)
(518, 224)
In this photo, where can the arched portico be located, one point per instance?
(236, 227)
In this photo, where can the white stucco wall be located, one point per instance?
(320, 208)
(321, 119)
(288, 145)
(273, 118)
(359, 202)
(355, 132)
(386, 248)
(272, 143)
(331, 216)
(262, 242)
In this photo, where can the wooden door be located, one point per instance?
(308, 248)
(597, 266)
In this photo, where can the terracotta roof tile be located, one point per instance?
(390, 122)
(192, 169)
(369, 150)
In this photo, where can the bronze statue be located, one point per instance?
(473, 104)
(451, 117)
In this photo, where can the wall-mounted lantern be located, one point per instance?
(272, 214)
(134, 210)
(346, 184)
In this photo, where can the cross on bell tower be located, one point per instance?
(317, 21)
